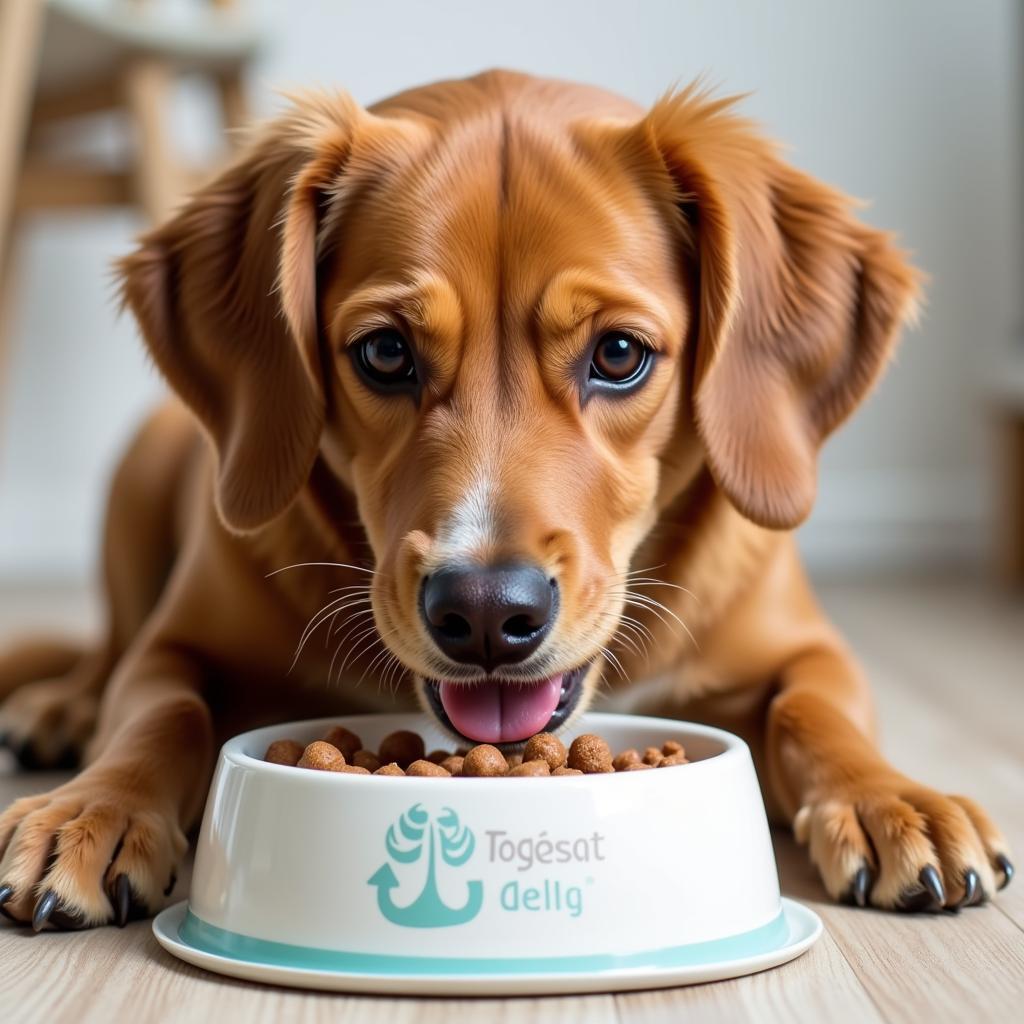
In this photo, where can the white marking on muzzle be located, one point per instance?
(471, 526)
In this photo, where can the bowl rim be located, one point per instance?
(733, 747)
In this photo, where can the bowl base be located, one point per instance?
(799, 929)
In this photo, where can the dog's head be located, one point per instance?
(514, 328)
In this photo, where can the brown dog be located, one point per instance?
(461, 362)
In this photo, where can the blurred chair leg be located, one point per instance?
(159, 181)
(7, 306)
(21, 23)
(233, 105)
(1010, 531)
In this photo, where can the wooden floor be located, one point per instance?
(948, 662)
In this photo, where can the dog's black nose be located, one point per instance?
(489, 616)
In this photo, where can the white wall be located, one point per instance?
(911, 104)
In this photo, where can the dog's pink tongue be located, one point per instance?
(500, 712)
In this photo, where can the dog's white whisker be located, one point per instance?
(383, 654)
(626, 641)
(354, 652)
(649, 568)
(643, 601)
(645, 635)
(643, 581)
(319, 617)
(385, 651)
(615, 661)
(342, 647)
(330, 565)
(364, 587)
(639, 625)
(356, 615)
(341, 643)
(388, 675)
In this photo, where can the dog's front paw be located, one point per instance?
(86, 854)
(890, 843)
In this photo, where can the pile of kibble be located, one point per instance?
(403, 753)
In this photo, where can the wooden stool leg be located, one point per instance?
(1010, 527)
(7, 309)
(21, 24)
(233, 105)
(159, 181)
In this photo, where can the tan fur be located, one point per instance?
(503, 222)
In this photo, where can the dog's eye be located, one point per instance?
(619, 358)
(385, 358)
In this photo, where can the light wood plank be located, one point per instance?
(820, 986)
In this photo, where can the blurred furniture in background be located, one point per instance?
(64, 61)
(1007, 396)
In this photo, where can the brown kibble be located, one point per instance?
(344, 739)
(484, 760)
(425, 767)
(365, 759)
(402, 747)
(622, 761)
(322, 757)
(284, 752)
(590, 754)
(673, 759)
(547, 747)
(403, 753)
(528, 768)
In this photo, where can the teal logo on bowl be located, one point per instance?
(447, 844)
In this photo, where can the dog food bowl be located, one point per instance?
(487, 885)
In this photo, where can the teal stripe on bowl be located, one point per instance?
(210, 939)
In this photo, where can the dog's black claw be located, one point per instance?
(862, 886)
(1006, 866)
(171, 884)
(127, 907)
(6, 892)
(973, 891)
(45, 906)
(928, 898)
(122, 900)
(929, 878)
(857, 894)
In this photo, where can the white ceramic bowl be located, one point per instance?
(397, 878)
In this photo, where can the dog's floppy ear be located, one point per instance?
(225, 294)
(798, 304)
